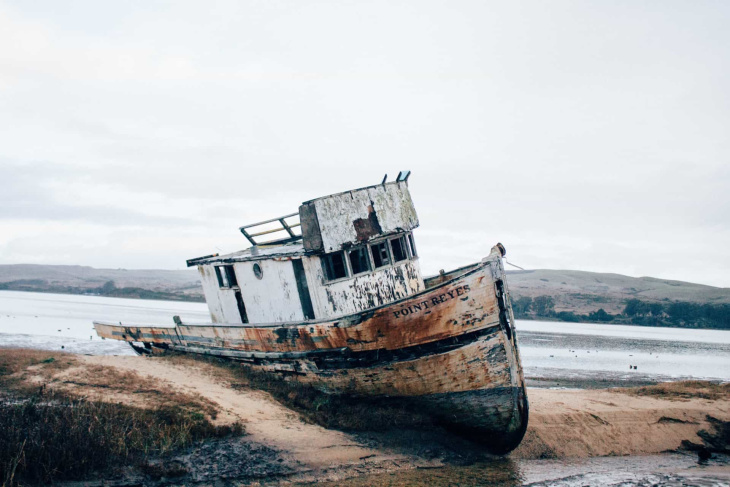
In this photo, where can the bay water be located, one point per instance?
(549, 350)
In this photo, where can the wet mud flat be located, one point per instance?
(234, 462)
(287, 437)
(670, 469)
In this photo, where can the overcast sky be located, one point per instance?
(582, 135)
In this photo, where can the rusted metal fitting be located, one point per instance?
(501, 248)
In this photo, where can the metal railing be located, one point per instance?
(285, 226)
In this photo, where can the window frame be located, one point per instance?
(226, 276)
(411, 244)
(404, 248)
(387, 249)
(326, 264)
(368, 260)
(410, 254)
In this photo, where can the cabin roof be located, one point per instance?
(258, 252)
(328, 196)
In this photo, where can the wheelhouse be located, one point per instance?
(339, 254)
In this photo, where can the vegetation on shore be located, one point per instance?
(685, 390)
(635, 312)
(108, 289)
(47, 433)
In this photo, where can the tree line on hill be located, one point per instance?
(108, 289)
(635, 312)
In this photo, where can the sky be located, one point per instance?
(586, 135)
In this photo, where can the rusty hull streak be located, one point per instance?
(443, 312)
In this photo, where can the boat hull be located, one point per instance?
(451, 350)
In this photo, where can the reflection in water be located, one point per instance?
(501, 472)
(665, 470)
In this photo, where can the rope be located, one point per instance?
(510, 263)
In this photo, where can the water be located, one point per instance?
(549, 349)
(593, 351)
(52, 321)
(630, 471)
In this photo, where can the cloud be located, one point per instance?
(584, 136)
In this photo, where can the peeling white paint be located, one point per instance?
(274, 297)
(221, 302)
(343, 220)
(362, 292)
(336, 214)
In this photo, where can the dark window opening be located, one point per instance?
(334, 266)
(359, 261)
(231, 276)
(241, 307)
(222, 278)
(399, 249)
(380, 254)
(303, 289)
(226, 276)
(411, 246)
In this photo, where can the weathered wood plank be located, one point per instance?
(451, 349)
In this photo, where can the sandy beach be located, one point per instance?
(280, 446)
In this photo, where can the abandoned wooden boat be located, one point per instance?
(340, 303)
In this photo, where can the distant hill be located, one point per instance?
(74, 279)
(536, 294)
(584, 292)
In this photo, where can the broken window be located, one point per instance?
(221, 275)
(399, 249)
(411, 246)
(226, 276)
(232, 281)
(380, 254)
(359, 260)
(334, 265)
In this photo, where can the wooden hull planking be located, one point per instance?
(451, 349)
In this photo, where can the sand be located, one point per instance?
(588, 423)
(563, 423)
(314, 449)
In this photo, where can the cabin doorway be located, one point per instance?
(303, 289)
(241, 306)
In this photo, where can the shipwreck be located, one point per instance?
(333, 296)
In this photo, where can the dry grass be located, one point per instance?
(49, 437)
(682, 391)
(26, 371)
(48, 432)
(99, 382)
(16, 364)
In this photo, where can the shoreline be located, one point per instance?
(284, 445)
(145, 294)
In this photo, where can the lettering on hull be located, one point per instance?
(413, 309)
